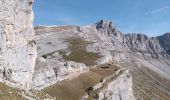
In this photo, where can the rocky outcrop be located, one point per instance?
(165, 42)
(141, 44)
(110, 41)
(48, 72)
(106, 27)
(117, 86)
(17, 44)
(51, 39)
(119, 89)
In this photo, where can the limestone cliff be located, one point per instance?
(17, 44)
(165, 42)
(141, 44)
(113, 40)
(119, 89)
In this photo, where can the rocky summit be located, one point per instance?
(92, 62)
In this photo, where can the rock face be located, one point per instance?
(165, 42)
(119, 89)
(17, 44)
(112, 40)
(115, 87)
(108, 41)
(49, 72)
(148, 47)
(115, 46)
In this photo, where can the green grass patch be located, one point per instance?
(39, 27)
(8, 93)
(78, 52)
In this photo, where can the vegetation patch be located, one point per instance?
(8, 93)
(82, 85)
(39, 27)
(78, 52)
(62, 28)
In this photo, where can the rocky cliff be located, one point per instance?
(119, 89)
(143, 45)
(165, 42)
(17, 44)
(139, 44)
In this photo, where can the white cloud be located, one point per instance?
(158, 10)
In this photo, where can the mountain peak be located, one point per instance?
(104, 24)
(167, 34)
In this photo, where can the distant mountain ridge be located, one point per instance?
(157, 46)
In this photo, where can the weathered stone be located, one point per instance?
(119, 89)
(51, 71)
(17, 52)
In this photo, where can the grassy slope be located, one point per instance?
(148, 85)
(78, 52)
(8, 93)
(75, 88)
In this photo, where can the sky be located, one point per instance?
(150, 17)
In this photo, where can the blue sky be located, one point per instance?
(151, 17)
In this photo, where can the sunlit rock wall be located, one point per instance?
(17, 45)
